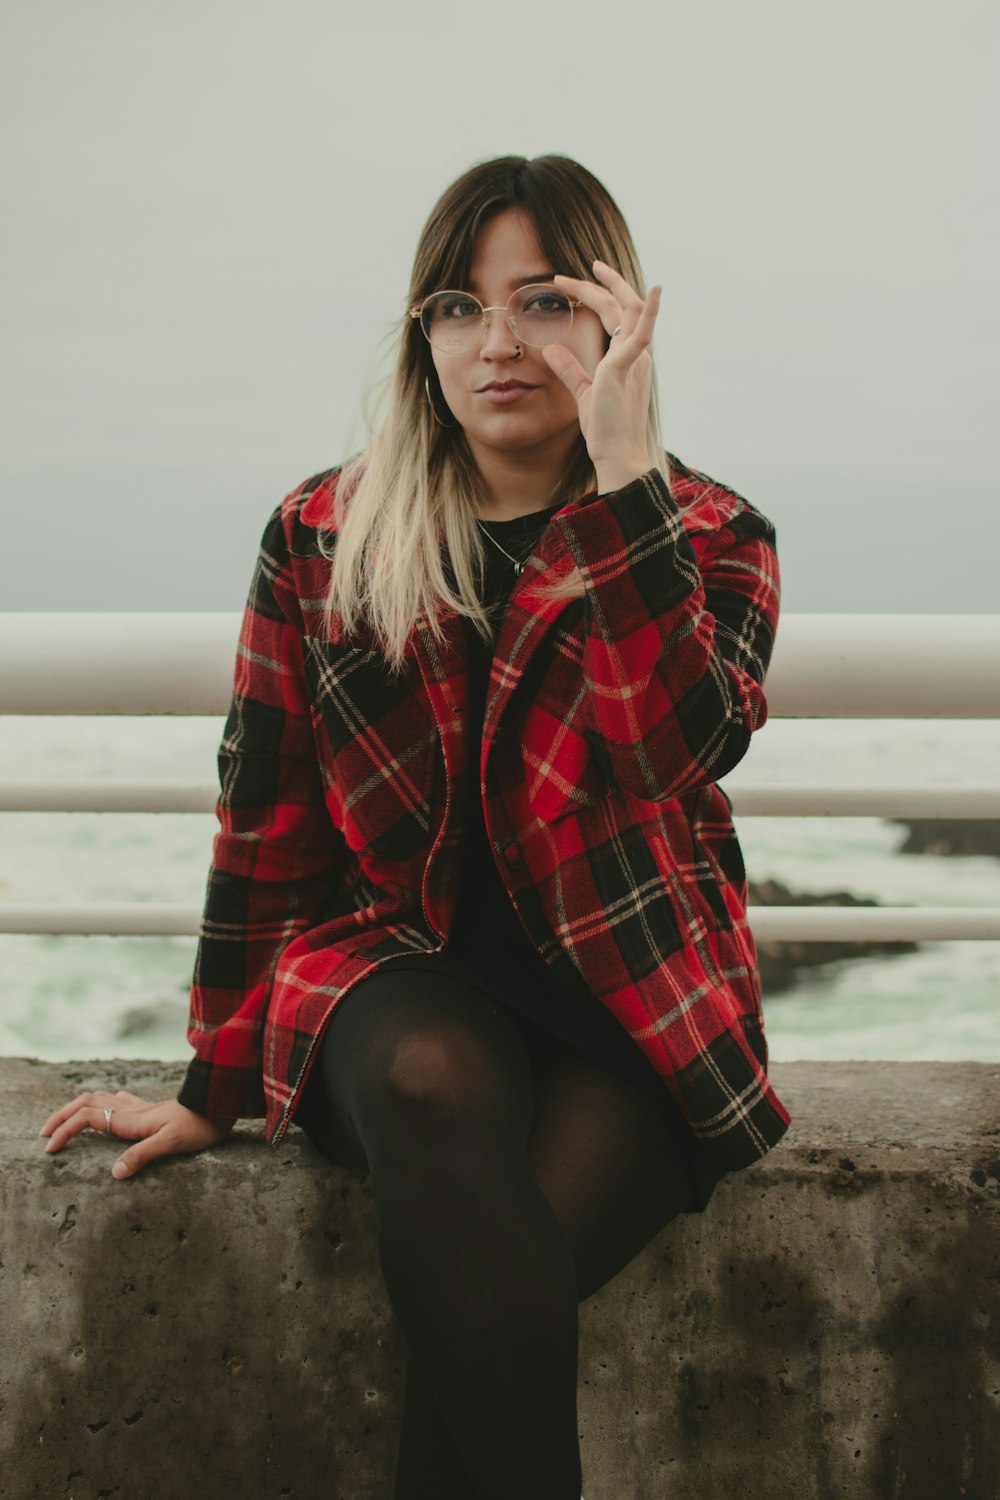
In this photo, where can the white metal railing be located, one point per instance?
(803, 800)
(825, 666)
(800, 924)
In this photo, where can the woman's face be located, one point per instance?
(507, 404)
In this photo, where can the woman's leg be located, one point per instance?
(429, 1084)
(609, 1164)
(608, 1161)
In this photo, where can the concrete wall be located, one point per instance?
(217, 1327)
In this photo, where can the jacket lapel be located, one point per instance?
(444, 664)
(526, 622)
(444, 668)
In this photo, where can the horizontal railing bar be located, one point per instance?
(886, 667)
(801, 924)
(101, 919)
(974, 803)
(824, 666)
(108, 796)
(878, 801)
(154, 663)
(884, 924)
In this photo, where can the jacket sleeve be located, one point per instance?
(276, 856)
(678, 631)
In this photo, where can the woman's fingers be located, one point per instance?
(616, 283)
(92, 1117)
(171, 1130)
(634, 331)
(627, 318)
(569, 369)
(612, 401)
(616, 303)
(162, 1142)
(160, 1129)
(627, 298)
(598, 298)
(627, 345)
(642, 332)
(101, 1099)
(129, 1117)
(95, 1102)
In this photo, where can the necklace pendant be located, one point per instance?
(518, 569)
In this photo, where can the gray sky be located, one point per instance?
(211, 209)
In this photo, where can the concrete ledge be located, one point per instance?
(217, 1327)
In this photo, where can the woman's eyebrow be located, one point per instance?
(532, 279)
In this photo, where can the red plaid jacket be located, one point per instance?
(609, 719)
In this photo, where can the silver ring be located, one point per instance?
(617, 331)
(107, 1120)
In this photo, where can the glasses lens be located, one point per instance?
(540, 315)
(452, 320)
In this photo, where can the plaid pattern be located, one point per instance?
(608, 720)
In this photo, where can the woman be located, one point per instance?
(476, 916)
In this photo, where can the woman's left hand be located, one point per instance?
(613, 403)
(158, 1129)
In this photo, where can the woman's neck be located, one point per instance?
(518, 483)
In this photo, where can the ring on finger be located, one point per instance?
(107, 1120)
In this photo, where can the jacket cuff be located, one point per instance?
(222, 1093)
(609, 535)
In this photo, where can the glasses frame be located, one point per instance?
(531, 286)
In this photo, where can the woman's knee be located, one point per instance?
(417, 1054)
(441, 1072)
(427, 1069)
(608, 1162)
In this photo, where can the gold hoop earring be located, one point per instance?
(430, 401)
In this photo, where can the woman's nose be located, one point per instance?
(498, 340)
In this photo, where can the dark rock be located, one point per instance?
(949, 836)
(782, 964)
(158, 1015)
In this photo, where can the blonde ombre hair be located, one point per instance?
(416, 486)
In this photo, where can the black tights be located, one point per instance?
(512, 1177)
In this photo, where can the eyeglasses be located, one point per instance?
(457, 321)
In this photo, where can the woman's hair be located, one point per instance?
(416, 485)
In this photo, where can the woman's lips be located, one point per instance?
(506, 394)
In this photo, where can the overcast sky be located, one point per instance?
(211, 210)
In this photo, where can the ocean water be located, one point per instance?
(66, 997)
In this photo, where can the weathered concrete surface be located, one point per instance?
(217, 1326)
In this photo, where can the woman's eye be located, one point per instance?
(546, 302)
(460, 307)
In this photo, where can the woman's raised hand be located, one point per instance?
(613, 404)
(164, 1129)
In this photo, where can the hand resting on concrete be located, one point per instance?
(163, 1129)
